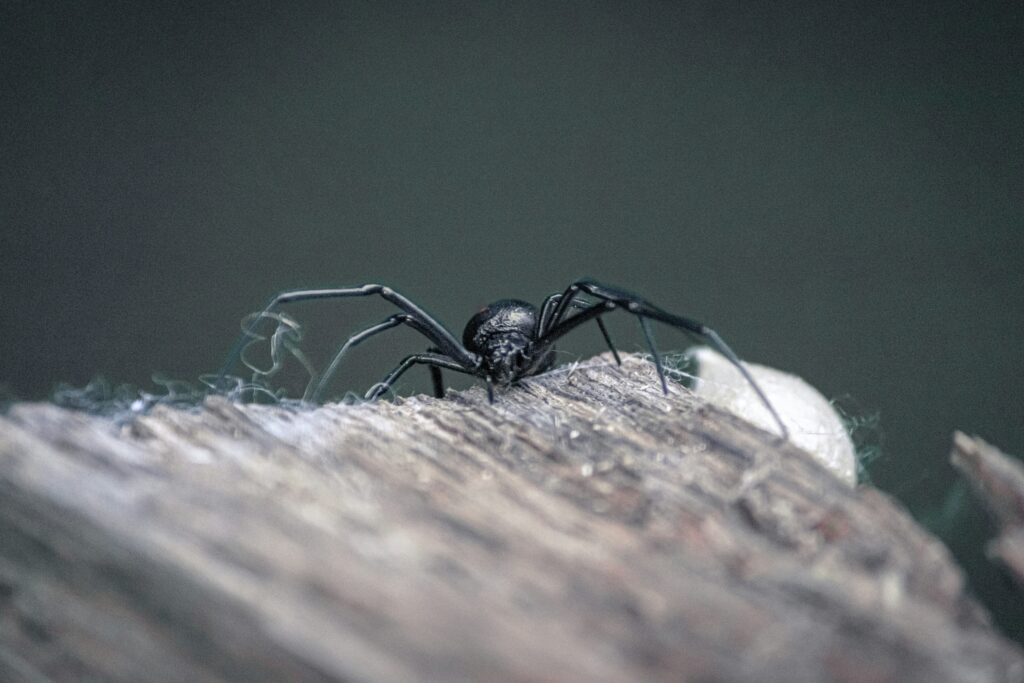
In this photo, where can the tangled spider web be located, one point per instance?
(283, 343)
(264, 355)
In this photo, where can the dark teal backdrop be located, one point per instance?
(838, 190)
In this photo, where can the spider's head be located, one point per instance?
(502, 334)
(508, 357)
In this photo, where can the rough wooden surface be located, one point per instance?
(999, 480)
(584, 527)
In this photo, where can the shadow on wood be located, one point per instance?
(584, 527)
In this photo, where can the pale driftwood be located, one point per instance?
(584, 527)
(999, 481)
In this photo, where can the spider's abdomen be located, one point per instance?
(505, 317)
(502, 334)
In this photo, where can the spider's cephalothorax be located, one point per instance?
(503, 334)
(504, 342)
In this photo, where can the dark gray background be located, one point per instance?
(838, 190)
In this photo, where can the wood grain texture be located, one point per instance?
(584, 527)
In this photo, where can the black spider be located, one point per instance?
(505, 341)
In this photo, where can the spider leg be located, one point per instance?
(428, 325)
(438, 381)
(649, 336)
(564, 301)
(356, 339)
(436, 378)
(608, 340)
(570, 324)
(646, 310)
(435, 360)
(547, 309)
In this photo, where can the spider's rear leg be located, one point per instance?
(544, 317)
(649, 336)
(595, 311)
(608, 340)
(644, 309)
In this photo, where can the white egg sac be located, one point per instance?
(813, 423)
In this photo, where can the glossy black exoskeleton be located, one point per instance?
(506, 341)
(503, 335)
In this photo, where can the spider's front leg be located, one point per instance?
(417, 318)
(313, 393)
(435, 360)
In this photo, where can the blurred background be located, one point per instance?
(838, 190)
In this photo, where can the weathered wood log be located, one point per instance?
(584, 527)
(999, 481)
